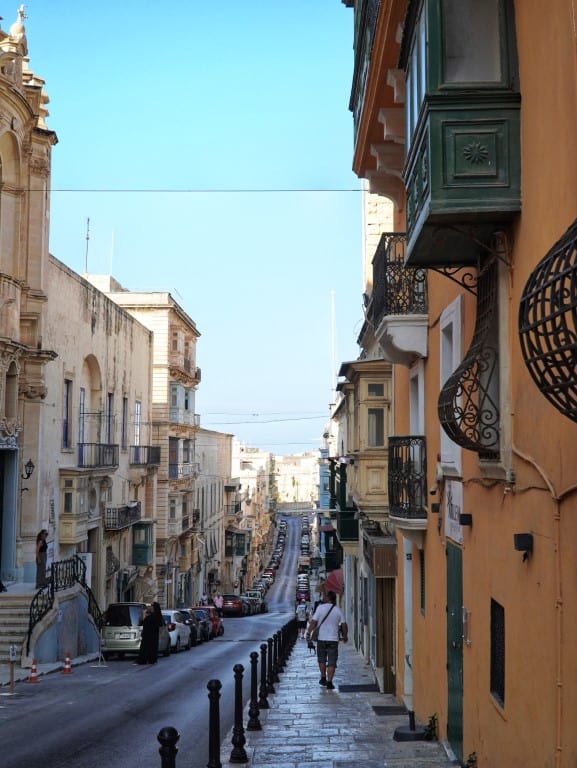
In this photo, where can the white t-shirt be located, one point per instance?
(301, 612)
(329, 629)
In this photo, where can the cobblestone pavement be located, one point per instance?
(308, 726)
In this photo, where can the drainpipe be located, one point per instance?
(558, 500)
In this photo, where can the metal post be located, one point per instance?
(275, 677)
(253, 710)
(262, 700)
(269, 676)
(238, 754)
(168, 736)
(214, 687)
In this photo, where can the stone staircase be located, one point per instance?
(14, 617)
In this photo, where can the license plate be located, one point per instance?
(123, 636)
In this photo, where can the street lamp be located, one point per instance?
(28, 470)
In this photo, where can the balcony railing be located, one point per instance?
(232, 509)
(408, 477)
(183, 416)
(178, 471)
(97, 455)
(117, 518)
(144, 455)
(397, 289)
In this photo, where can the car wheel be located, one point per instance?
(105, 655)
(176, 648)
(120, 654)
(188, 643)
(167, 651)
(221, 630)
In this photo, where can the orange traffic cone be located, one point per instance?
(67, 666)
(33, 678)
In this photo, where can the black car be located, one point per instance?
(204, 622)
(191, 620)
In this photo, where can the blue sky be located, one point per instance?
(169, 116)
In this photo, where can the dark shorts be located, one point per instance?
(328, 652)
(302, 624)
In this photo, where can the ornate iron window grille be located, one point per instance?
(468, 405)
(397, 289)
(548, 324)
(407, 477)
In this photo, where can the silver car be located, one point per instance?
(122, 630)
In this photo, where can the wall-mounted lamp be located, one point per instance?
(465, 519)
(523, 543)
(28, 470)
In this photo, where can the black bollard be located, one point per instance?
(168, 736)
(275, 677)
(269, 677)
(253, 723)
(238, 754)
(214, 687)
(262, 700)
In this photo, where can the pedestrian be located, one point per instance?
(41, 555)
(301, 617)
(3, 587)
(218, 602)
(329, 619)
(204, 599)
(151, 623)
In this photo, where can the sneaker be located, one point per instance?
(330, 686)
(323, 681)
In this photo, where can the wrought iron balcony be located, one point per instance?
(407, 481)
(232, 509)
(117, 518)
(399, 306)
(144, 455)
(94, 455)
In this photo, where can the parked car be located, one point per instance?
(216, 623)
(248, 606)
(123, 628)
(191, 620)
(178, 630)
(255, 594)
(204, 622)
(232, 605)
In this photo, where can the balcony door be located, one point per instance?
(455, 648)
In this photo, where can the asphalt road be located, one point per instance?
(108, 715)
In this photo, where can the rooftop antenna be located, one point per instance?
(87, 241)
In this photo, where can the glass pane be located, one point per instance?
(376, 430)
(472, 50)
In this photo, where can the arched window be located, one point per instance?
(11, 399)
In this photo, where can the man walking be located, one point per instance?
(328, 617)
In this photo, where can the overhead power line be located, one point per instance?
(200, 190)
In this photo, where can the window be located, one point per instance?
(137, 421)
(175, 341)
(498, 652)
(110, 419)
(472, 53)
(375, 389)
(67, 414)
(376, 427)
(186, 451)
(124, 420)
(81, 414)
(172, 509)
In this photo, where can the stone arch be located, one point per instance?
(10, 201)
(90, 403)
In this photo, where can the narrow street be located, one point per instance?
(109, 715)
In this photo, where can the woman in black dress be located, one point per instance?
(149, 640)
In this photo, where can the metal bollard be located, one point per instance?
(214, 687)
(253, 723)
(263, 701)
(168, 736)
(275, 677)
(269, 676)
(238, 754)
